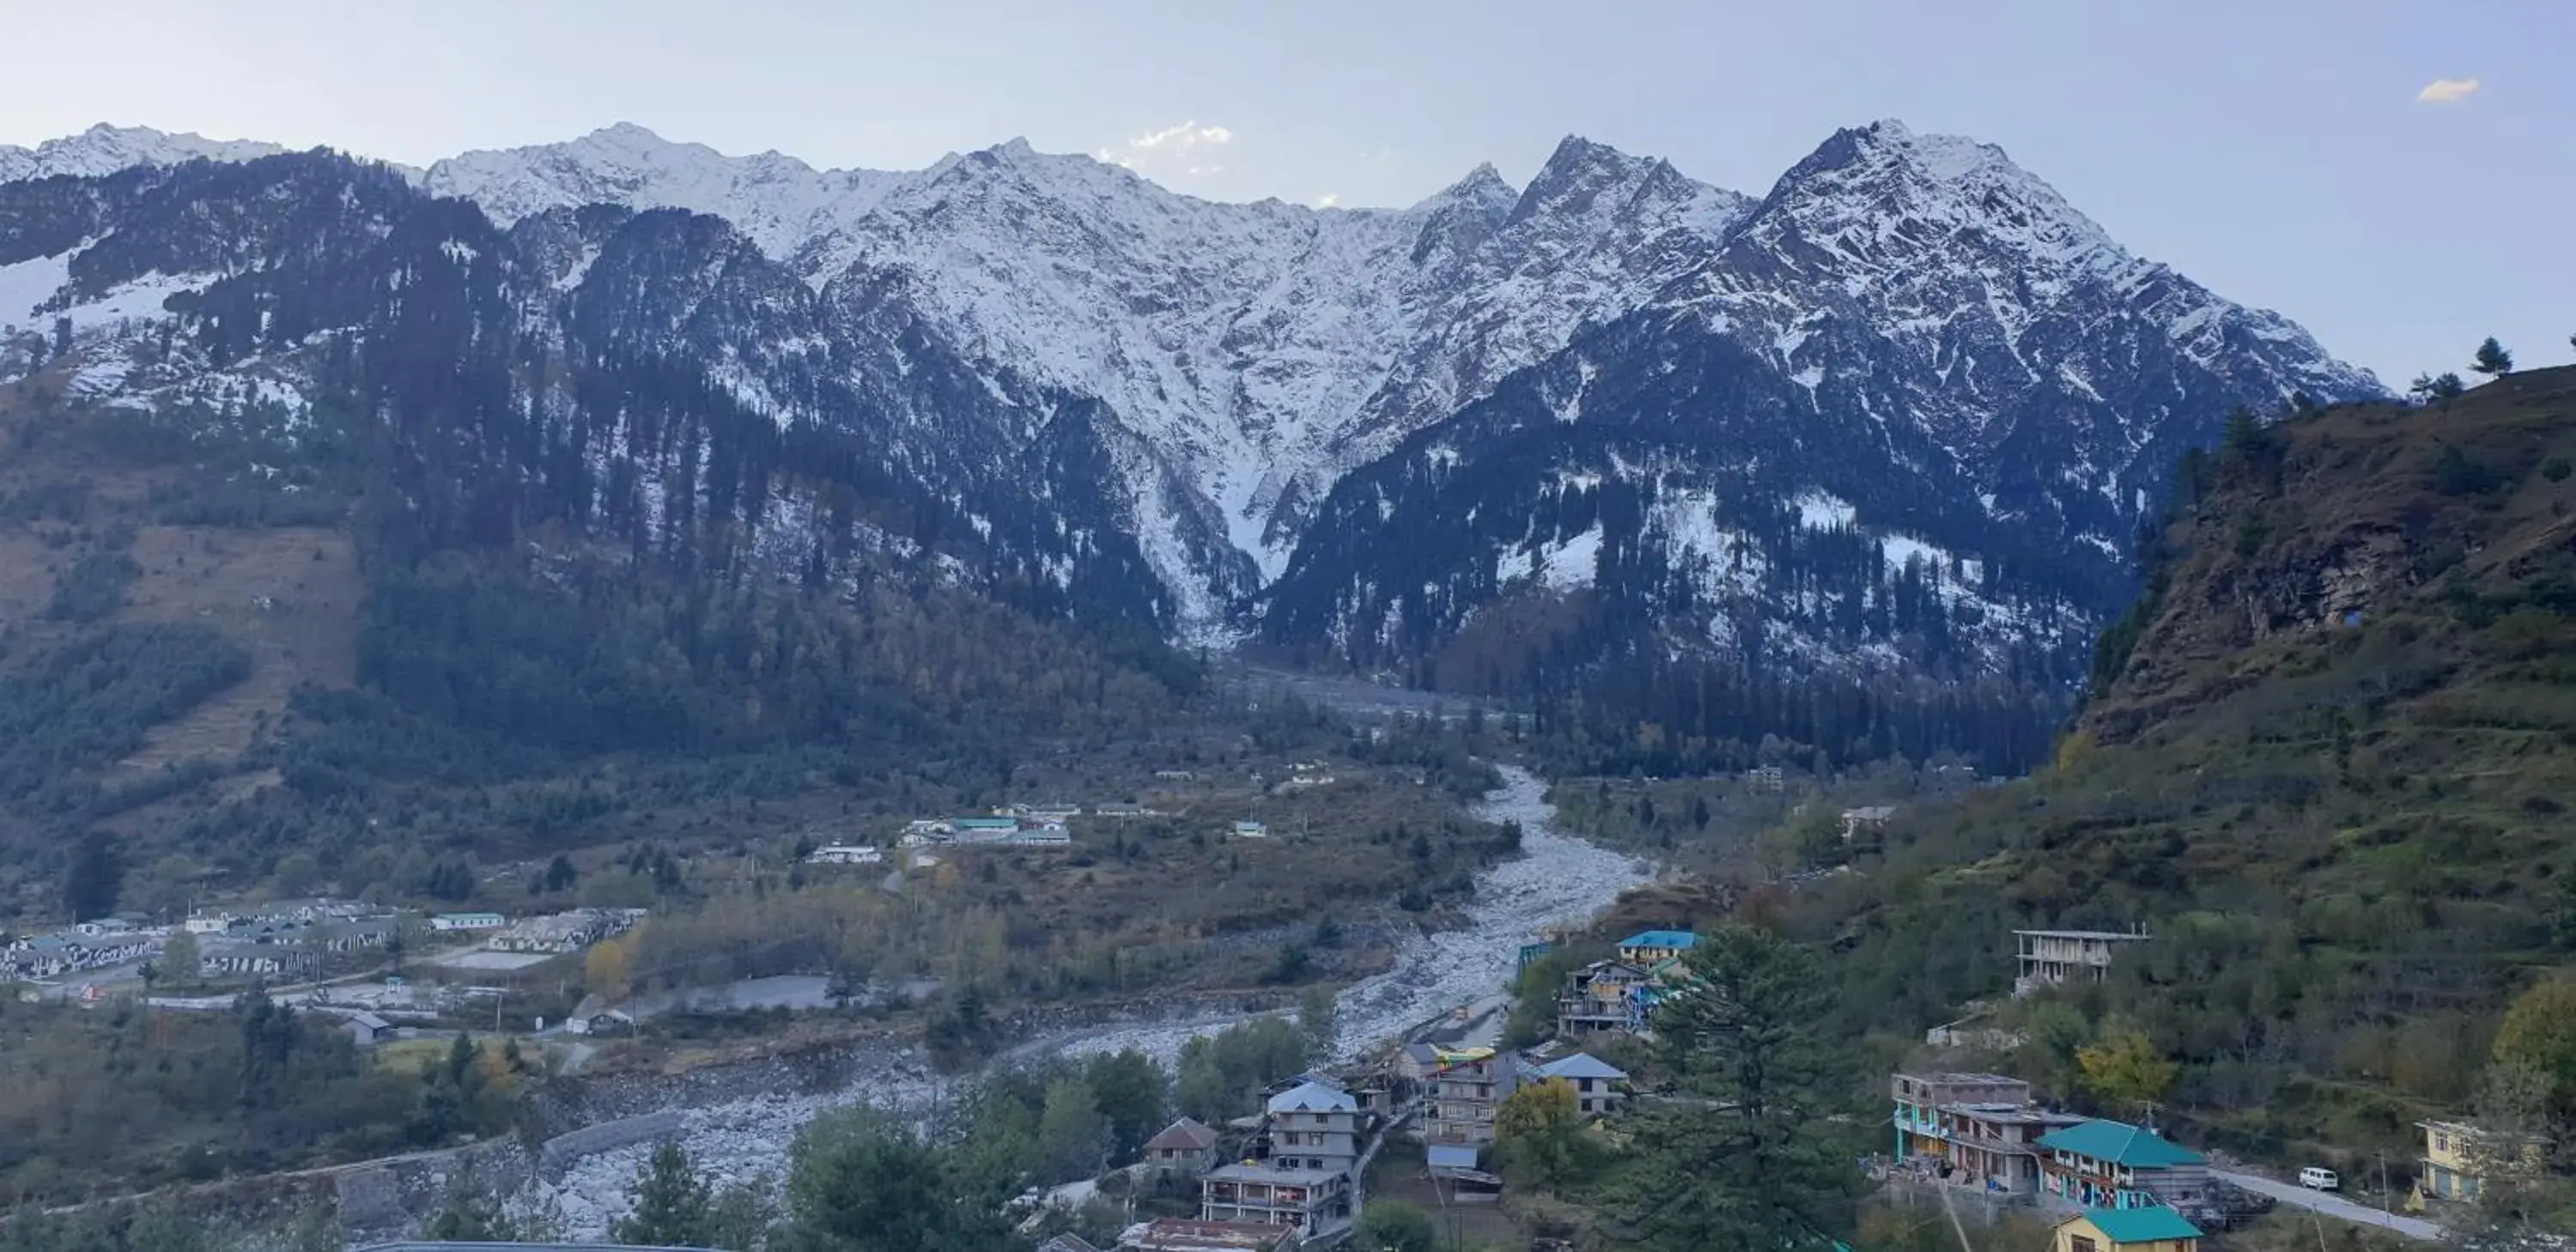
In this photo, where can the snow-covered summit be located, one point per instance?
(105, 149)
(780, 202)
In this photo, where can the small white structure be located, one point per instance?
(1251, 830)
(1871, 817)
(846, 854)
(366, 1029)
(467, 921)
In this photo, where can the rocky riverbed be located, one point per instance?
(1557, 880)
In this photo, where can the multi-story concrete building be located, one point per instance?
(1601, 997)
(2113, 1165)
(1596, 1082)
(2459, 1159)
(1978, 1130)
(1312, 1202)
(2049, 957)
(1466, 1092)
(1314, 1126)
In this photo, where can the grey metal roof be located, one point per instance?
(1313, 1097)
(1581, 1065)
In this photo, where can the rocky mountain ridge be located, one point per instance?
(1972, 371)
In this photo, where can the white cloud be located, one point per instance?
(2447, 91)
(1183, 148)
(1328, 199)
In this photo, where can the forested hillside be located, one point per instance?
(2328, 765)
(232, 637)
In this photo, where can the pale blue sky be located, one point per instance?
(2274, 149)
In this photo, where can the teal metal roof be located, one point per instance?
(2120, 1143)
(2145, 1225)
(1660, 939)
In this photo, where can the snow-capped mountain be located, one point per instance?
(1909, 342)
(105, 149)
(1913, 408)
(1259, 351)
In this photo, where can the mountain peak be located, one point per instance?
(106, 148)
(1482, 185)
(1867, 179)
(628, 132)
(1578, 177)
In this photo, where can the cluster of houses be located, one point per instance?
(1290, 1174)
(1018, 824)
(563, 933)
(1620, 995)
(91, 946)
(290, 938)
(280, 938)
(2131, 1188)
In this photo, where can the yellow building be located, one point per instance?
(2155, 1229)
(1646, 947)
(2458, 1158)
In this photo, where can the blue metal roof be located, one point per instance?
(1660, 939)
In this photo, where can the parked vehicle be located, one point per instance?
(2316, 1178)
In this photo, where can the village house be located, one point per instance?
(2113, 1165)
(1974, 1130)
(1250, 830)
(1186, 1147)
(1466, 1092)
(1766, 778)
(2126, 1230)
(1652, 947)
(1311, 1202)
(1175, 775)
(1045, 813)
(1595, 1082)
(467, 921)
(2049, 957)
(1314, 1126)
(2459, 1159)
(1181, 1234)
(366, 1029)
(1121, 812)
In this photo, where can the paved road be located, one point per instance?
(2333, 1205)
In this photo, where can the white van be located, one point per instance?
(2318, 1179)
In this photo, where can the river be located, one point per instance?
(1557, 880)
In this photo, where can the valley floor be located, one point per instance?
(1557, 881)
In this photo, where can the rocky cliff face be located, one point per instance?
(2369, 522)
